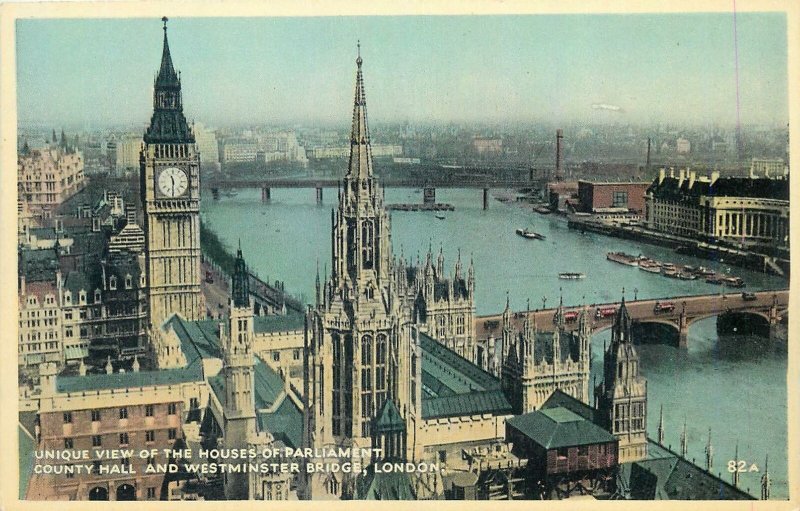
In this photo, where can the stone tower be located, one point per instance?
(170, 194)
(237, 348)
(358, 340)
(621, 398)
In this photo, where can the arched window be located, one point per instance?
(366, 350)
(112, 283)
(96, 296)
(128, 281)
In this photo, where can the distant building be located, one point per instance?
(378, 151)
(40, 323)
(768, 167)
(683, 146)
(735, 209)
(48, 177)
(239, 150)
(597, 197)
(127, 154)
(207, 145)
(487, 146)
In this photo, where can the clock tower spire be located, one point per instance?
(170, 189)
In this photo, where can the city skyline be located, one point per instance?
(277, 70)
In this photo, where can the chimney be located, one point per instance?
(714, 176)
(22, 284)
(672, 172)
(692, 177)
(681, 177)
(559, 137)
(647, 165)
(661, 174)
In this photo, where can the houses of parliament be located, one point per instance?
(391, 367)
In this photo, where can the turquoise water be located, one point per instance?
(735, 386)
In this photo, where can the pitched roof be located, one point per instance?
(278, 323)
(389, 419)
(559, 398)
(92, 382)
(557, 427)
(384, 485)
(453, 386)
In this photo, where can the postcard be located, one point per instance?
(516, 252)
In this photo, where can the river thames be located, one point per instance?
(735, 386)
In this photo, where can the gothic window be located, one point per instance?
(366, 350)
(460, 325)
(96, 296)
(112, 283)
(366, 239)
(128, 281)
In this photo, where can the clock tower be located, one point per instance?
(170, 193)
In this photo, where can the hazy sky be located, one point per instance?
(662, 67)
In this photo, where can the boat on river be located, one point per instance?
(623, 258)
(528, 234)
(571, 275)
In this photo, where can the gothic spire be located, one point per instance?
(240, 290)
(709, 452)
(360, 153)
(168, 124)
(166, 73)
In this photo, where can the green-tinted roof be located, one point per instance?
(559, 427)
(666, 476)
(453, 386)
(286, 421)
(562, 415)
(389, 419)
(561, 399)
(278, 323)
(384, 486)
(199, 339)
(92, 382)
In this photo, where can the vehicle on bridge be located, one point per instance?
(209, 278)
(604, 312)
(749, 297)
(569, 317)
(663, 307)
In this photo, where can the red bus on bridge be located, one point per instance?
(569, 317)
(604, 312)
(663, 307)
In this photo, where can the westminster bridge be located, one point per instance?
(737, 312)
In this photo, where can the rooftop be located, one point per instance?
(557, 427)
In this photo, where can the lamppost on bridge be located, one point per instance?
(544, 302)
(635, 294)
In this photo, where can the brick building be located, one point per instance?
(599, 196)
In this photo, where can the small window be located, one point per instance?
(151, 493)
(150, 436)
(173, 433)
(67, 417)
(128, 282)
(123, 439)
(194, 403)
(172, 408)
(68, 443)
(123, 413)
(562, 453)
(296, 355)
(276, 356)
(97, 296)
(95, 415)
(112, 283)
(148, 410)
(97, 441)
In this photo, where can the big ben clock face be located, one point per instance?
(172, 182)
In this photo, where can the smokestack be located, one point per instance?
(559, 136)
(647, 165)
(661, 175)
